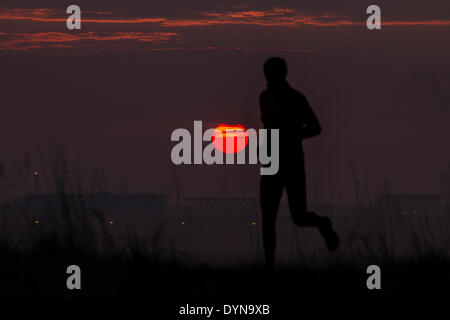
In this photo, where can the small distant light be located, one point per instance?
(182, 222)
(253, 223)
(35, 172)
(111, 222)
(36, 221)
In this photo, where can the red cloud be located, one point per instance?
(25, 41)
(49, 15)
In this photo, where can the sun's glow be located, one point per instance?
(234, 138)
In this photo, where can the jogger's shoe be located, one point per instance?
(331, 237)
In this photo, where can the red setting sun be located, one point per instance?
(234, 138)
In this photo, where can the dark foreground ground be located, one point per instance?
(137, 281)
(40, 273)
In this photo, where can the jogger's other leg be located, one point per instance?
(271, 190)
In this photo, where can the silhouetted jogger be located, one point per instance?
(286, 109)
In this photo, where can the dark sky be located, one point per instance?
(115, 90)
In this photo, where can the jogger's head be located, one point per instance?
(275, 69)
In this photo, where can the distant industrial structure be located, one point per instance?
(40, 186)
